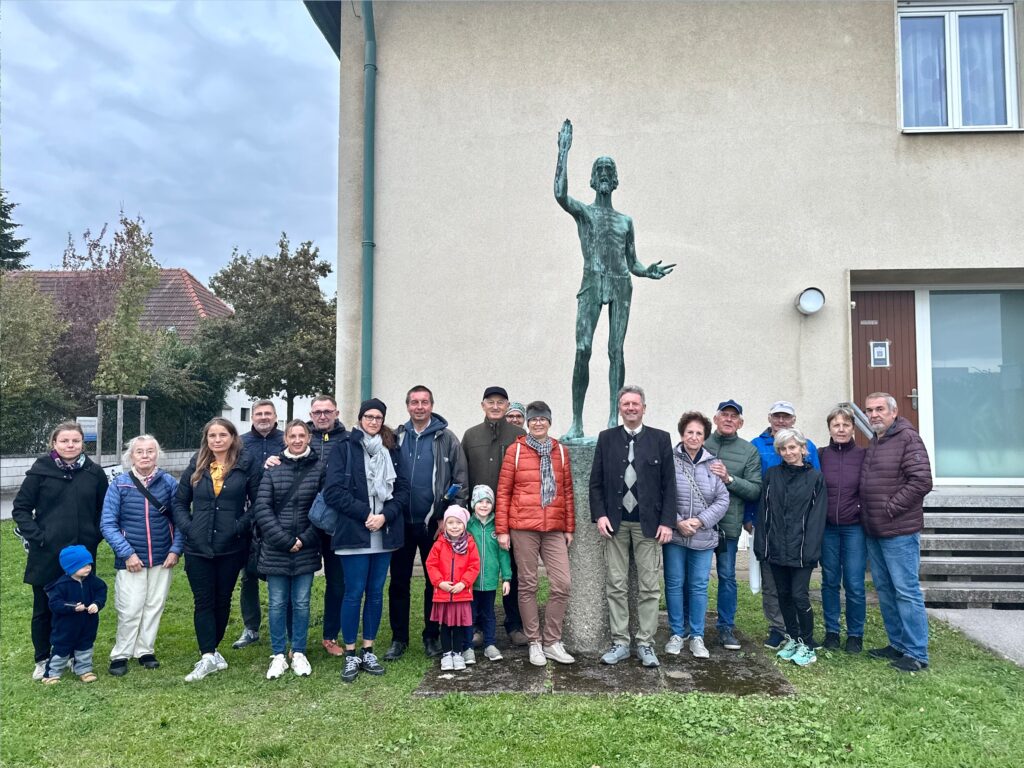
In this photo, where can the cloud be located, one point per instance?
(217, 122)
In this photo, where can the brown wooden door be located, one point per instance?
(879, 317)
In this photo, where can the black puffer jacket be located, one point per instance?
(217, 524)
(54, 509)
(791, 518)
(281, 524)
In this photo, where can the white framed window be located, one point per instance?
(958, 67)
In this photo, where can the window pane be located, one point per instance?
(923, 58)
(982, 70)
(978, 383)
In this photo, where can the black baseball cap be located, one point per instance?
(495, 392)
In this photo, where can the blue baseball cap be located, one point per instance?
(731, 404)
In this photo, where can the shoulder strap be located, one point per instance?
(295, 485)
(161, 508)
(518, 447)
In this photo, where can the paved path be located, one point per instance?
(1000, 631)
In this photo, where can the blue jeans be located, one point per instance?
(483, 617)
(843, 559)
(284, 592)
(894, 571)
(364, 575)
(726, 565)
(686, 569)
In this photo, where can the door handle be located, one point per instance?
(913, 398)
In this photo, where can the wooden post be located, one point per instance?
(99, 431)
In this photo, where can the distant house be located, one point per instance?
(178, 303)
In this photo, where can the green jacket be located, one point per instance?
(494, 560)
(744, 464)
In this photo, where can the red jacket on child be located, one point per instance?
(444, 565)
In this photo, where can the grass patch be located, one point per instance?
(965, 711)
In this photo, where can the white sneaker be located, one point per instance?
(205, 666)
(469, 656)
(447, 661)
(537, 657)
(557, 652)
(39, 671)
(300, 665)
(675, 644)
(220, 661)
(492, 653)
(697, 648)
(458, 663)
(278, 664)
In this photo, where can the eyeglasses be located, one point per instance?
(537, 420)
(372, 419)
(322, 413)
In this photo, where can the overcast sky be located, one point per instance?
(216, 121)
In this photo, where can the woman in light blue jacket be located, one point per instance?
(146, 548)
(703, 501)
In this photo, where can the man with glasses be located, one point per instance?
(516, 413)
(433, 463)
(484, 447)
(326, 430)
(261, 442)
(782, 415)
(738, 465)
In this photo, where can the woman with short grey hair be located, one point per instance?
(136, 522)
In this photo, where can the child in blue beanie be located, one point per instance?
(75, 601)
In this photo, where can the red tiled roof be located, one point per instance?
(178, 301)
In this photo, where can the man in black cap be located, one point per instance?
(484, 447)
(738, 465)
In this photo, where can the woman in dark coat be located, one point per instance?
(369, 492)
(790, 529)
(58, 504)
(213, 509)
(290, 550)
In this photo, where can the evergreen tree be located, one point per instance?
(12, 249)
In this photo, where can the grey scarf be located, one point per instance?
(380, 472)
(548, 489)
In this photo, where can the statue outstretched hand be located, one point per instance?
(565, 137)
(655, 271)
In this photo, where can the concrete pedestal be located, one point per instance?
(586, 620)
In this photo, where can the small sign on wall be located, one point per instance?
(88, 425)
(879, 354)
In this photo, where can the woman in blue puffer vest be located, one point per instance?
(146, 548)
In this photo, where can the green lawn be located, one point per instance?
(966, 710)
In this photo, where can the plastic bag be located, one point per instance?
(754, 570)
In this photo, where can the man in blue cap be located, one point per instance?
(738, 465)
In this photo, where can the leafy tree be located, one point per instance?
(281, 337)
(124, 348)
(12, 249)
(32, 397)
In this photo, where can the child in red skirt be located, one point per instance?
(452, 566)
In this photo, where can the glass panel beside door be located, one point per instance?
(977, 367)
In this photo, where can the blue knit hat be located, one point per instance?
(74, 557)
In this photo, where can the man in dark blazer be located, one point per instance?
(633, 503)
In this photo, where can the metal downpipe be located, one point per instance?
(369, 129)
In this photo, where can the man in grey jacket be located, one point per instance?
(433, 463)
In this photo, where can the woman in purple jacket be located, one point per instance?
(843, 552)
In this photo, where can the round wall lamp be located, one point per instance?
(810, 301)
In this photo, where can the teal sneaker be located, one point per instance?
(804, 655)
(788, 649)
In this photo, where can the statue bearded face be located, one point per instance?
(604, 177)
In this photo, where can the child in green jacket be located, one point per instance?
(495, 566)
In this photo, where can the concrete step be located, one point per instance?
(974, 593)
(972, 566)
(976, 542)
(968, 520)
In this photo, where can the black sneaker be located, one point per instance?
(831, 642)
(432, 647)
(728, 640)
(854, 644)
(889, 653)
(908, 664)
(148, 660)
(395, 650)
(351, 670)
(370, 664)
(775, 640)
(119, 667)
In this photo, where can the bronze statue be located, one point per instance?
(609, 258)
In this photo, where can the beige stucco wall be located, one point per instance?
(757, 147)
